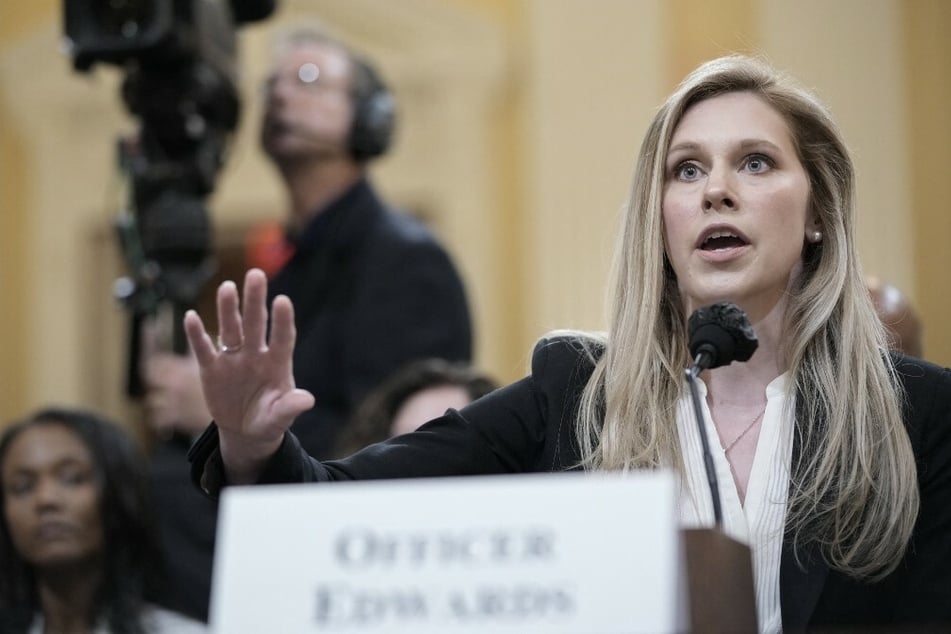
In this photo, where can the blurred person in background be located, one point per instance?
(901, 320)
(79, 553)
(416, 393)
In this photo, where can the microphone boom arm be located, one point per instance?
(692, 373)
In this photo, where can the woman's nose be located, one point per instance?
(719, 193)
(48, 492)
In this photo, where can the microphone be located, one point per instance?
(719, 334)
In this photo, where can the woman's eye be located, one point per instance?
(758, 163)
(686, 171)
(74, 477)
(19, 486)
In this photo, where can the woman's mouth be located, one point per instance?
(722, 240)
(55, 530)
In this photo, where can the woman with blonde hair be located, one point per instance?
(835, 456)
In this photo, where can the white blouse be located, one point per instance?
(760, 523)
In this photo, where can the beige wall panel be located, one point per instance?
(596, 79)
(699, 30)
(927, 24)
(71, 124)
(851, 52)
(14, 238)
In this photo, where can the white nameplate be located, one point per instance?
(553, 553)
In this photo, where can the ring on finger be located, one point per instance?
(225, 348)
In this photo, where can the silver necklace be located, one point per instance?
(744, 432)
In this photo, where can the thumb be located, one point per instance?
(294, 403)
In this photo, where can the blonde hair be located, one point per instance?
(853, 489)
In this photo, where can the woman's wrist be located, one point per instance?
(244, 460)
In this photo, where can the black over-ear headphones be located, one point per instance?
(374, 113)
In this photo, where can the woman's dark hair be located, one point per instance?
(373, 417)
(131, 549)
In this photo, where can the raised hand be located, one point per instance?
(247, 378)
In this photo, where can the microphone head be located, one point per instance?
(720, 334)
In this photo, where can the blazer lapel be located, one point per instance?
(799, 588)
(800, 585)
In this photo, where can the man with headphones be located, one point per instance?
(372, 287)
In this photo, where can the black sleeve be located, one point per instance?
(500, 433)
(522, 427)
(527, 426)
(290, 464)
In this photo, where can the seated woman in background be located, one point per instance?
(78, 550)
(416, 393)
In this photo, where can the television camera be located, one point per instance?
(179, 63)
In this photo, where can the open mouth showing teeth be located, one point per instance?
(722, 240)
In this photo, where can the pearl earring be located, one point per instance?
(817, 236)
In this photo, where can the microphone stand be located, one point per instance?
(692, 373)
(721, 579)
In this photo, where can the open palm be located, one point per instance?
(247, 379)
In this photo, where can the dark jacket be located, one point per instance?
(372, 290)
(529, 427)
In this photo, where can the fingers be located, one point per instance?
(230, 331)
(198, 338)
(244, 323)
(254, 309)
(239, 324)
(283, 330)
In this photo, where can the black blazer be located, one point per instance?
(372, 291)
(529, 427)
